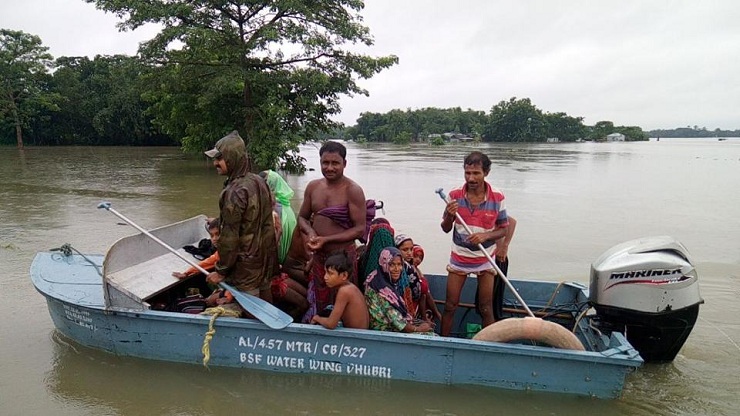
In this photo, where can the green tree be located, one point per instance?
(274, 70)
(72, 124)
(632, 133)
(403, 137)
(601, 129)
(564, 127)
(24, 65)
(102, 103)
(516, 120)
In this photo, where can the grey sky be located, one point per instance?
(655, 64)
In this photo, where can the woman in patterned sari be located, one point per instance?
(380, 237)
(385, 289)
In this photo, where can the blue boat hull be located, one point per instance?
(73, 290)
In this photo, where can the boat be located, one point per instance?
(117, 303)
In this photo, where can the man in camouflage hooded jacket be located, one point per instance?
(247, 246)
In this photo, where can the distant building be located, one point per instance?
(453, 137)
(615, 137)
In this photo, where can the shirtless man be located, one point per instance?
(332, 216)
(350, 307)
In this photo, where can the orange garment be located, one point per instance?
(209, 264)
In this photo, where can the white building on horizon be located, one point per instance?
(615, 137)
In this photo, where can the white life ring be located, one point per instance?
(529, 328)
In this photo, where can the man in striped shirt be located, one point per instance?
(482, 208)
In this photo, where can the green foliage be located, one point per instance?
(600, 130)
(403, 137)
(694, 131)
(632, 133)
(516, 120)
(564, 127)
(418, 123)
(272, 70)
(24, 65)
(438, 141)
(102, 103)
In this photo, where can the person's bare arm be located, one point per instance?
(304, 214)
(333, 319)
(448, 220)
(422, 327)
(502, 244)
(480, 238)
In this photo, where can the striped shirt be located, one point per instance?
(487, 216)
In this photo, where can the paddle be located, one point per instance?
(259, 308)
(488, 256)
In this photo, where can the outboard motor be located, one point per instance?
(647, 289)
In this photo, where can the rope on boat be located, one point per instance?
(578, 319)
(215, 313)
(67, 250)
(554, 293)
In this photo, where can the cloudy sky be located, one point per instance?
(655, 64)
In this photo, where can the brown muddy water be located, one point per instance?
(572, 202)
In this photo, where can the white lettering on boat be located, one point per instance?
(328, 366)
(79, 317)
(300, 346)
(369, 370)
(250, 358)
(314, 356)
(272, 344)
(288, 362)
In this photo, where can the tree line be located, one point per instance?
(274, 71)
(694, 131)
(513, 120)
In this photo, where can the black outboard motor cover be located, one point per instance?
(647, 289)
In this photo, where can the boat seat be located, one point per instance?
(136, 268)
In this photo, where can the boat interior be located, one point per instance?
(138, 275)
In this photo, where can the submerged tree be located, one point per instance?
(516, 120)
(102, 103)
(24, 65)
(274, 69)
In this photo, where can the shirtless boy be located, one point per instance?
(332, 216)
(350, 307)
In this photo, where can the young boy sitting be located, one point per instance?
(219, 296)
(349, 306)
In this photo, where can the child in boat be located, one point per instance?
(349, 307)
(429, 305)
(425, 308)
(219, 296)
(284, 289)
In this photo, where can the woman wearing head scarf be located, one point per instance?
(384, 292)
(380, 237)
(282, 193)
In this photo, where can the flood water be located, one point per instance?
(572, 202)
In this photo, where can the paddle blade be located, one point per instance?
(261, 309)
